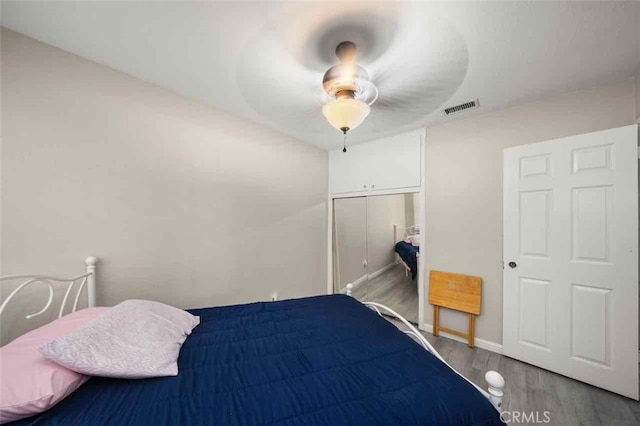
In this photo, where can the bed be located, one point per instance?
(316, 360)
(407, 248)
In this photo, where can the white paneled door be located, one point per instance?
(570, 287)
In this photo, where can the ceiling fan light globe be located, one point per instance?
(349, 113)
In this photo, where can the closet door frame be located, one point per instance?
(421, 260)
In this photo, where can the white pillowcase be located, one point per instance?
(414, 240)
(135, 339)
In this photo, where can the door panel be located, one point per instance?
(537, 165)
(590, 324)
(395, 162)
(349, 172)
(571, 229)
(591, 218)
(588, 159)
(535, 209)
(534, 312)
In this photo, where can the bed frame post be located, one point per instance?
(496, 386)
(349, 289)
(91, 280)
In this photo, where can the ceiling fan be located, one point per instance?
(349, 85)
(351, 89)
(396, 63)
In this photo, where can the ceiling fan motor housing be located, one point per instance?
(343, 78)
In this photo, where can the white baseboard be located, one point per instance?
(381, 271)
(363, 279)
(357, 283)
(481, 343)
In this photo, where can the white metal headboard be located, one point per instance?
(408, 231)
(88, 279)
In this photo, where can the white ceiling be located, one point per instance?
(264, 61)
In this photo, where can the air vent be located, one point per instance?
(462, 107)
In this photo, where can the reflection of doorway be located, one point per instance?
(366, 235)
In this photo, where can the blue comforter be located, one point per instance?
(319, 360)
(409, 254)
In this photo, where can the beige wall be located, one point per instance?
(182, 203)
(464, 183)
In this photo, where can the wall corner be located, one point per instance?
(636, 85)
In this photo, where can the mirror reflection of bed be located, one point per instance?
(376, 249)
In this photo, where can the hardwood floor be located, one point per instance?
(393, 289)
(530, 389)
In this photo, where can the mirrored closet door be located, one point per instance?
(376, 249)
(350, 245)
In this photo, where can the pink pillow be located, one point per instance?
(31, 383)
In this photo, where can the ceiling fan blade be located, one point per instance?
(423, 69)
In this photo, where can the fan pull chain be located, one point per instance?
(344, 143)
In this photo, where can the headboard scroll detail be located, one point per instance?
(88, 279)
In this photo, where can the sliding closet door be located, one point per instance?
(383, 213)
(350, 246)
(366, 231)
(389, 282)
